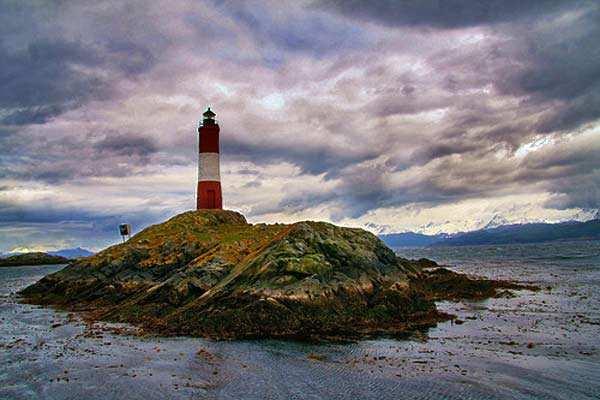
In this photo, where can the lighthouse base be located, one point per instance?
(209, 195)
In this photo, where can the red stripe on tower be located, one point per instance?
(209, 178)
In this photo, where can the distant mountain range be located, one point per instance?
(412, 239)
(73, 253)
(77, 252)
(502, 234)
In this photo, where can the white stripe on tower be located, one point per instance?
(208, 167)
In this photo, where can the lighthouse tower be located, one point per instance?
(209, 179)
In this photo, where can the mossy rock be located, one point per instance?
(211, 273)
(34, 258)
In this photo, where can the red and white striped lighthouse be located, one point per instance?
(209, 178)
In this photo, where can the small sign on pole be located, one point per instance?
(125, 231)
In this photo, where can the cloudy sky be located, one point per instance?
(390, 115)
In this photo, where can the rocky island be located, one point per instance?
(34, 258)
(210, 273)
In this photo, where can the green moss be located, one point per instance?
(311, 264)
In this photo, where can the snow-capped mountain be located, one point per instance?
(503, 234)
(76, 252)
(73, 253)
(496, 221)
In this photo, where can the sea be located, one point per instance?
(532, 345)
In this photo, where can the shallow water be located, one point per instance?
(532, 346)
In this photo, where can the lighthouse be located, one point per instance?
(209, 178)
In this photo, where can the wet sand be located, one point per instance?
(542, 344)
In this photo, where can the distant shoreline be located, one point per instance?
(33, 265)
(502, 235)
(33, 259)
(451, 246)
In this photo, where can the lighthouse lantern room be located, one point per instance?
(209, 179)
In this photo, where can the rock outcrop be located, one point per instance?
(34, 258)
(210, 273)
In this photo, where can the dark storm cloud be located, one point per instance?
(41, 82)
(580, 191)
(33, 115)
(311, 160)
(119, 144)
(570, 171)
(553, 62)
(48, 78)
(442, 14)
(47, 222)
(56, 216)
(46, 71)
(60, 160)
(564, 67)
(131, 58)
(280, 32)
(438, 150)
(38, 213)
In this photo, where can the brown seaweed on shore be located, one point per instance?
(440, 283)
